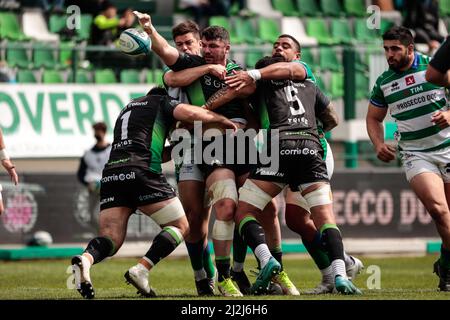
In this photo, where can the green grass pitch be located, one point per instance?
(400, 278)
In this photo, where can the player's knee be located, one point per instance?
(225, 209)
(439, 212)
(223, 230)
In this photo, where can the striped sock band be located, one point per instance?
(263, 254)
(338, 267)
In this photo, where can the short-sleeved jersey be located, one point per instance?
(441, 60)
(292, 107)
(140, 132)
(203, 88)
(412, 101)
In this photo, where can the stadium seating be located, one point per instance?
(269, 29)
(341, 32)
(154, 76)
(82, 76)
(246, 31)
(263, 8)
(44, 56)
(294, 27)
(337, 85)
(355, 8)
(286, 7)
(444, 8)
(130, 76)
(26, 76)
(308, 8)
(52, 76)
(85, 27)
(364, 34)
(318, 29)
(328, 59)
(17, 56)
(331, 8)
(104, 76)
(35, 26)
(10, 27)
(308, 56)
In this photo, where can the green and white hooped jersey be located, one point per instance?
(412, 101)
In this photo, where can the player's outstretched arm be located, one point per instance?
(227, 94)
(375, 129)
(276, 71)
(187, 76)
(160, 46)
(329, 118)
(189, 113)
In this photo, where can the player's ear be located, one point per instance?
(227, 48)
(411, 48)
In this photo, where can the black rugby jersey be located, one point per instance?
(204, 87)
(292, 107)
(140, 132)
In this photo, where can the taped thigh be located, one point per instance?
(319, 197)
(171, 212)
(223, 189)
(254, 195)
(296, 199)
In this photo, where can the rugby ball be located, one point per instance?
(134, 42)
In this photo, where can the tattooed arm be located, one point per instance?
(329, 118)
(226, 95)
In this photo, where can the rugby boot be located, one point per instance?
(355, 269)
(138, 277)
(345, 286)
(265, 275)
(444, 276)
(80, 269)
(286, 284)
(205, 287)
(228, 289)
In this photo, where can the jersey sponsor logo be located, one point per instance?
(155, 195)
(395, 86)
(138, 103)
(410, 80)
(119, 177)
(417, 100)
(106, 200)
(264, 172)
(302, 151)
(122, 144)
(119, 161)
(213, 82)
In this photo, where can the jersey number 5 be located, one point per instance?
(296, 105)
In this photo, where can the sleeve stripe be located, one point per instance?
(378, 104)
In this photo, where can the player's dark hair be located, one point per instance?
(216, 33)
(266, 61)
(400, 33)
(297, 44)
(157, 91)
(100, 126)
(186, 27)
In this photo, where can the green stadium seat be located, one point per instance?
(444, 8)
(308, 8)
(82, 76)
(246, 31)
(364, 34)
(362, 86)
(164, 25)
(130, 76)
(286, 7)
(356, 8)
(26, 76)
(361, 63)
(43, 56)
(225, 22)
(104, 76)
(52, 76)
(155, 76)
(340, 31)
(85, 27)
(318, 29)
(252, 56)
(328, 59)
(17, 56)
(268, 30)
(337, 85)
(385, 25)
(56, 23)
(65, 53)
(331, 8)
(308, 56)
(10, 28)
